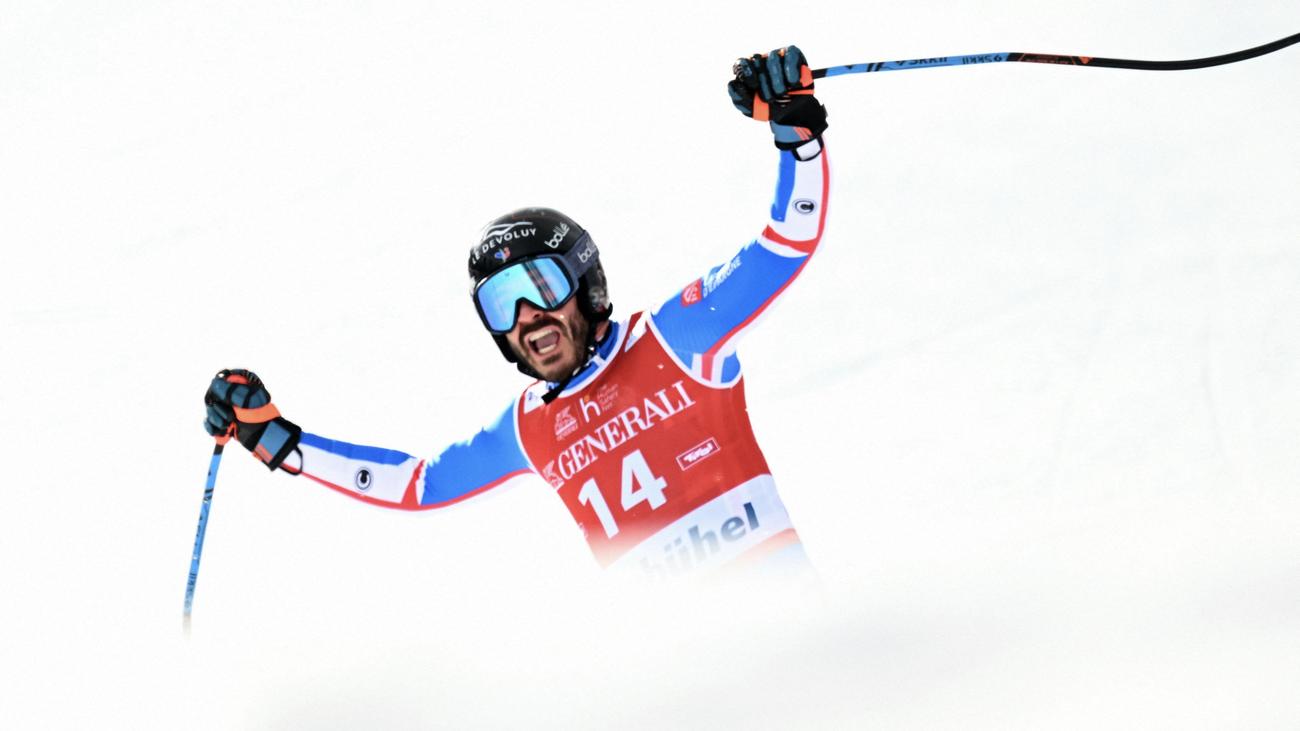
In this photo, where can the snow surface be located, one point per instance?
(1035, 409)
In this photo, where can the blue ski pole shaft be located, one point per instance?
(1055, 58)
(203, 527)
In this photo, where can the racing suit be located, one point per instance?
(649, 446)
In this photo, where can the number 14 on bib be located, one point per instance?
(639, 484)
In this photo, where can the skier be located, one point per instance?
(639, 425)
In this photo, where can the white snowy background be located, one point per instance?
(1035, 408)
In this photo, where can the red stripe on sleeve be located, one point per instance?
(805, 247)
(408, 501)
(809, 245)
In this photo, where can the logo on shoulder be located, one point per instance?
(805, 206)
(714, 279)
(693, 292)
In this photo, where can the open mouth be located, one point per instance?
(544, 341)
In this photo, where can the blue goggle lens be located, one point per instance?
(542, 282)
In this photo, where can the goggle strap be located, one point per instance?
(582, 256)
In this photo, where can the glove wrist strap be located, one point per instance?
(257, 415)
(803, 149)
(272, 441)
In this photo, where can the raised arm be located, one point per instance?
(702, 321)
(384, 477)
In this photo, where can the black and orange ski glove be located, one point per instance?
(239, 405)
(778, 88)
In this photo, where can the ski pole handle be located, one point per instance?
(203, 527)
(1058, 59)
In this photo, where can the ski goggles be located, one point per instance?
(546, 282)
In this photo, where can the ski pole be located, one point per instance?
(203, 527)
(1051, 58)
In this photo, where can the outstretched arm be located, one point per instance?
(394, 479)
(239, 405)
(702, 321)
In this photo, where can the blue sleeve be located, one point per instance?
(486, 459)
(394, 479)
(702, 321)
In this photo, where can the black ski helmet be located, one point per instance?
(530, 232)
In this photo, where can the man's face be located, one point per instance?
(552, 343)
